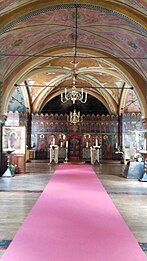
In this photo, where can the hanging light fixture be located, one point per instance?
(74, 94)
(74, 117)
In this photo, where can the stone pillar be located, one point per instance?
(29, 129)
(25, 119)
(120, 131)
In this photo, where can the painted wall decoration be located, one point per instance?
(17, 101)
(132, 103)
(107, 146)
(12, 119)
(89, 124)
(47, 127)
(14, 138)
(91, 128)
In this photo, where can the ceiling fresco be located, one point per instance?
(38, 49)
(17, 103)
(96, 73)
(55, 28)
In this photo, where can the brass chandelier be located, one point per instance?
(74, 94)
(74, 117)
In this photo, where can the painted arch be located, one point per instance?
(108, 33)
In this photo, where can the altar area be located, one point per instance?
(75, 143)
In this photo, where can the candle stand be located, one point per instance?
(53, 154)
(66, 157)
(8, 172)
(95, 155)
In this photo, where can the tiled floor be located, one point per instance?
(18, 195)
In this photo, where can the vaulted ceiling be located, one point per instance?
(37, 48)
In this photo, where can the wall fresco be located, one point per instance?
(17, 101)
(132, 103)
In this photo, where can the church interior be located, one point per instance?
(73, 91)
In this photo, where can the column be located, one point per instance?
(120, 131)
(29, 127)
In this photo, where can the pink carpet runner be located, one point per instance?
(74, 220)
